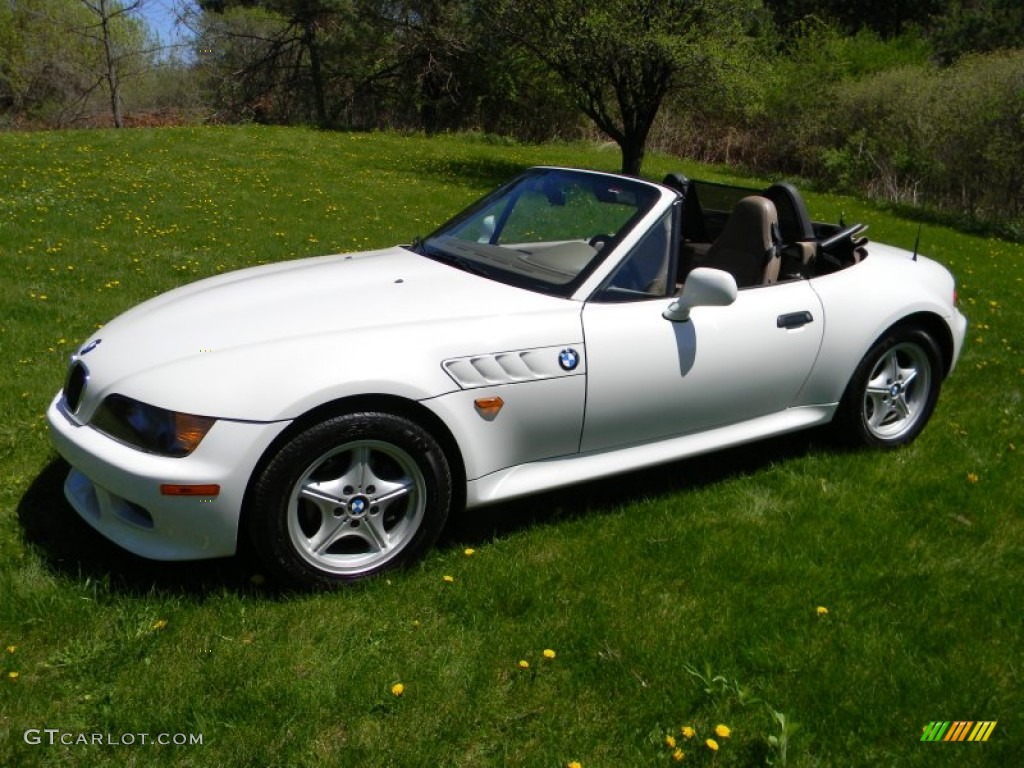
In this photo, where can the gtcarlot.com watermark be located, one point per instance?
(58, 736)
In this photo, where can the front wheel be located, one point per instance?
(893, 391)
(347, 498)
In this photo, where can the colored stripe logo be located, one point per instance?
(958, 730)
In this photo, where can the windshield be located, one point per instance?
(546, 230)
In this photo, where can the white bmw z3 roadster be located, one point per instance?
(569, 326)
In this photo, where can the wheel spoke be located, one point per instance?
(879, 411)
(902, 407)
(389, 491)
(908, 375)
(313, 493)
(373, 533)
(330, 531)
(358, 468)
(892, 366)
(880, 380)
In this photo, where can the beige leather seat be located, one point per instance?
(748, 247)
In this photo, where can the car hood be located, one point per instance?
(361, 321)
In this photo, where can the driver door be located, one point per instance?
(649, 378)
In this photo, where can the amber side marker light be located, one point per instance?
(189, 490)
(488, 407)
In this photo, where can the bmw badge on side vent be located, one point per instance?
(568, 359)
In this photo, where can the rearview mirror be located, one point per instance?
(704, 287)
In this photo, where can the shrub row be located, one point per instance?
(942, 138)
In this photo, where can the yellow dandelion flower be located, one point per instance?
(549, 654)
(821, 610)
(712, 745)
(723, 731)
(670, 741)
(574, 764)
(972, 477)
(469, 552)
(397, 689)
(12, 648)
(159, 624)
(448, 579)
(524, 664)
(688, 732)
(12, 676)
(678, 755)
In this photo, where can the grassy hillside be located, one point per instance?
(824, 606)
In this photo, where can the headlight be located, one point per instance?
(150, 429)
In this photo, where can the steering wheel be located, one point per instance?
(599, 241)
(841, 235)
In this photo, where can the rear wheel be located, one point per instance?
(347, 498)
(893, 391)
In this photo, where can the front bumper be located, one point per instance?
(116, 488)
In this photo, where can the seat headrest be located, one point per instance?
(751, 221)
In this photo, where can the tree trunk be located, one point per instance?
(111, 74)
(632, 156)
(316, 74)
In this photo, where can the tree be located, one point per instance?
(295, 50)
(977, 26)
(885, 17)
(420, 64)
(620, 58)
(56, 56)
(117, 35)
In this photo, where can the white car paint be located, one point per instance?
(259, 348)
(308, 331)
(869, 297)
(650, 379)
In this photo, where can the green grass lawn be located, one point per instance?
(690, 595)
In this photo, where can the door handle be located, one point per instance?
(794, 320)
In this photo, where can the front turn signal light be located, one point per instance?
(489, 407)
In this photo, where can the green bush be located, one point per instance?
(980, 146)
(950, 138)
(875, 139)
(874, 117)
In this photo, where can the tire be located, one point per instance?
(893, 391)
(348, 498)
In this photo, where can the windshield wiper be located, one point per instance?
(446, 257)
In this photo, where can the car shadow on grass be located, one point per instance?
(71, 548)
(596, 497)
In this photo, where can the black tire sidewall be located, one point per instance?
(267, 518)
(849, 425)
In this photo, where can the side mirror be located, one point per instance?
(704, 287)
